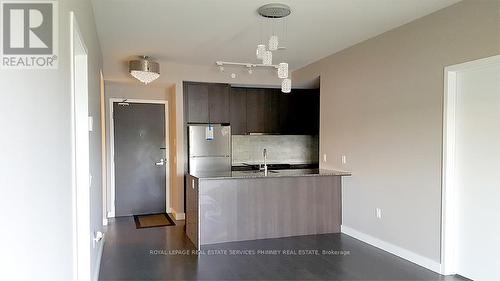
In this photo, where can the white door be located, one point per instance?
(478, 172)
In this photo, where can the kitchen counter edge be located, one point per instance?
(278, 174)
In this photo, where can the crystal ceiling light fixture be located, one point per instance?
(144, 69)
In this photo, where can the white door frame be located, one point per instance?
(104, 156)
(449, 204)
(112, 151)
(80, 154)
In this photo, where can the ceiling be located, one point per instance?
(199, 32)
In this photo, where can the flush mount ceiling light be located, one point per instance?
(144, 69)
(274, 16)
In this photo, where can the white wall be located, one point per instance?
(35, 167)
(477, 178)
(381, 106)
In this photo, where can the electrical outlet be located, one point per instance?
(379, 213)
(96, 236)
(344, 159)
(324, 157)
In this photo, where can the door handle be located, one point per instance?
(160, 163)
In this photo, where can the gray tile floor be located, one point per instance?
(157, 254)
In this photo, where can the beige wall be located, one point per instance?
(381, 106)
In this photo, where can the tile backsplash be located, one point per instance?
(288, 149)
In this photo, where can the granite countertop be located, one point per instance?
(271, 174)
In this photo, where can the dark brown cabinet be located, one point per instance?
(256, 121)
(238, 111)
(218, 103)
(207, 102)
(263, 111)
(272, 111)
(196, 95)
(253, 110)
(299, 112)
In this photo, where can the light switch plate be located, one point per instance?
(91, 123)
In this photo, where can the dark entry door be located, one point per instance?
(140, 177)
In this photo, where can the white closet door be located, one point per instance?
(478, 172)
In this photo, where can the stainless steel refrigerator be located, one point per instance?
(209, 148)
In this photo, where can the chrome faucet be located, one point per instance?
(264, 168)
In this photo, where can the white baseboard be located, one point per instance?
(97, 267)
(393, 249)
(178, 216)
(104, 221)
(111, 214)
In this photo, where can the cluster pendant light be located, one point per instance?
(273, 15)
(273, 43)
(286, 83)
(261, 50)
(274, 12)
(267, 59)
(283, 70)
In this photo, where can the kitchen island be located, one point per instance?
(248, 205)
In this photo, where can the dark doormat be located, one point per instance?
(153, 220)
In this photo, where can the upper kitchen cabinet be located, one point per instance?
(313, 104)
(256, 120)
(238, 111)
(253, 110)
(196, 102)
(262, 111)
(273, 111)
(207, 102)
(218, 103)
(299, 112)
